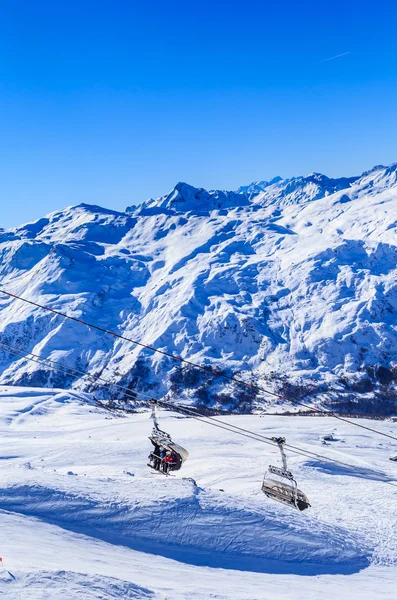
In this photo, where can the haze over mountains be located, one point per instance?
(291, 283)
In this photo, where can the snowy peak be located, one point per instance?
(296, 190)
(258, 186)
(378, 178)
(186, 198)
(80, 222)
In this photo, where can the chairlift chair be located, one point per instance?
(163, 439)
(279, 483)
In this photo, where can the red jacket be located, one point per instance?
(168, 459)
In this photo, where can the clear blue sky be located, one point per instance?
(110, 102)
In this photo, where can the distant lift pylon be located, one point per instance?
(162, 439)
(279, 484)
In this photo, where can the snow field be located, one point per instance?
(80, 511)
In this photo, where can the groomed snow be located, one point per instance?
(81, 515)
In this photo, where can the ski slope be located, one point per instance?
(81, 515)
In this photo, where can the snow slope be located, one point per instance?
(289, 282)
(81, 515)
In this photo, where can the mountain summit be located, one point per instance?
(184, 197)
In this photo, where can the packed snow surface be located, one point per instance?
(82, 516)
(292, 279)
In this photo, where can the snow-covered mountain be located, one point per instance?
(290, 283)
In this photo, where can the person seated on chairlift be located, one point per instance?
(155, 456)
(167, 461)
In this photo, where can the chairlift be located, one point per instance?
(162, 439)
(279, 483)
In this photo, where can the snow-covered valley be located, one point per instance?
(82, 516)
(290, 283)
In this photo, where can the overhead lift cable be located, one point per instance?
(208, 370)
(178, 408)
(258, 436)
(72, 370)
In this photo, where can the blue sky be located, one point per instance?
(112, 102)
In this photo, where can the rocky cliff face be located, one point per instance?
(290, 283)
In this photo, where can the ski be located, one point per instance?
(161, 472)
